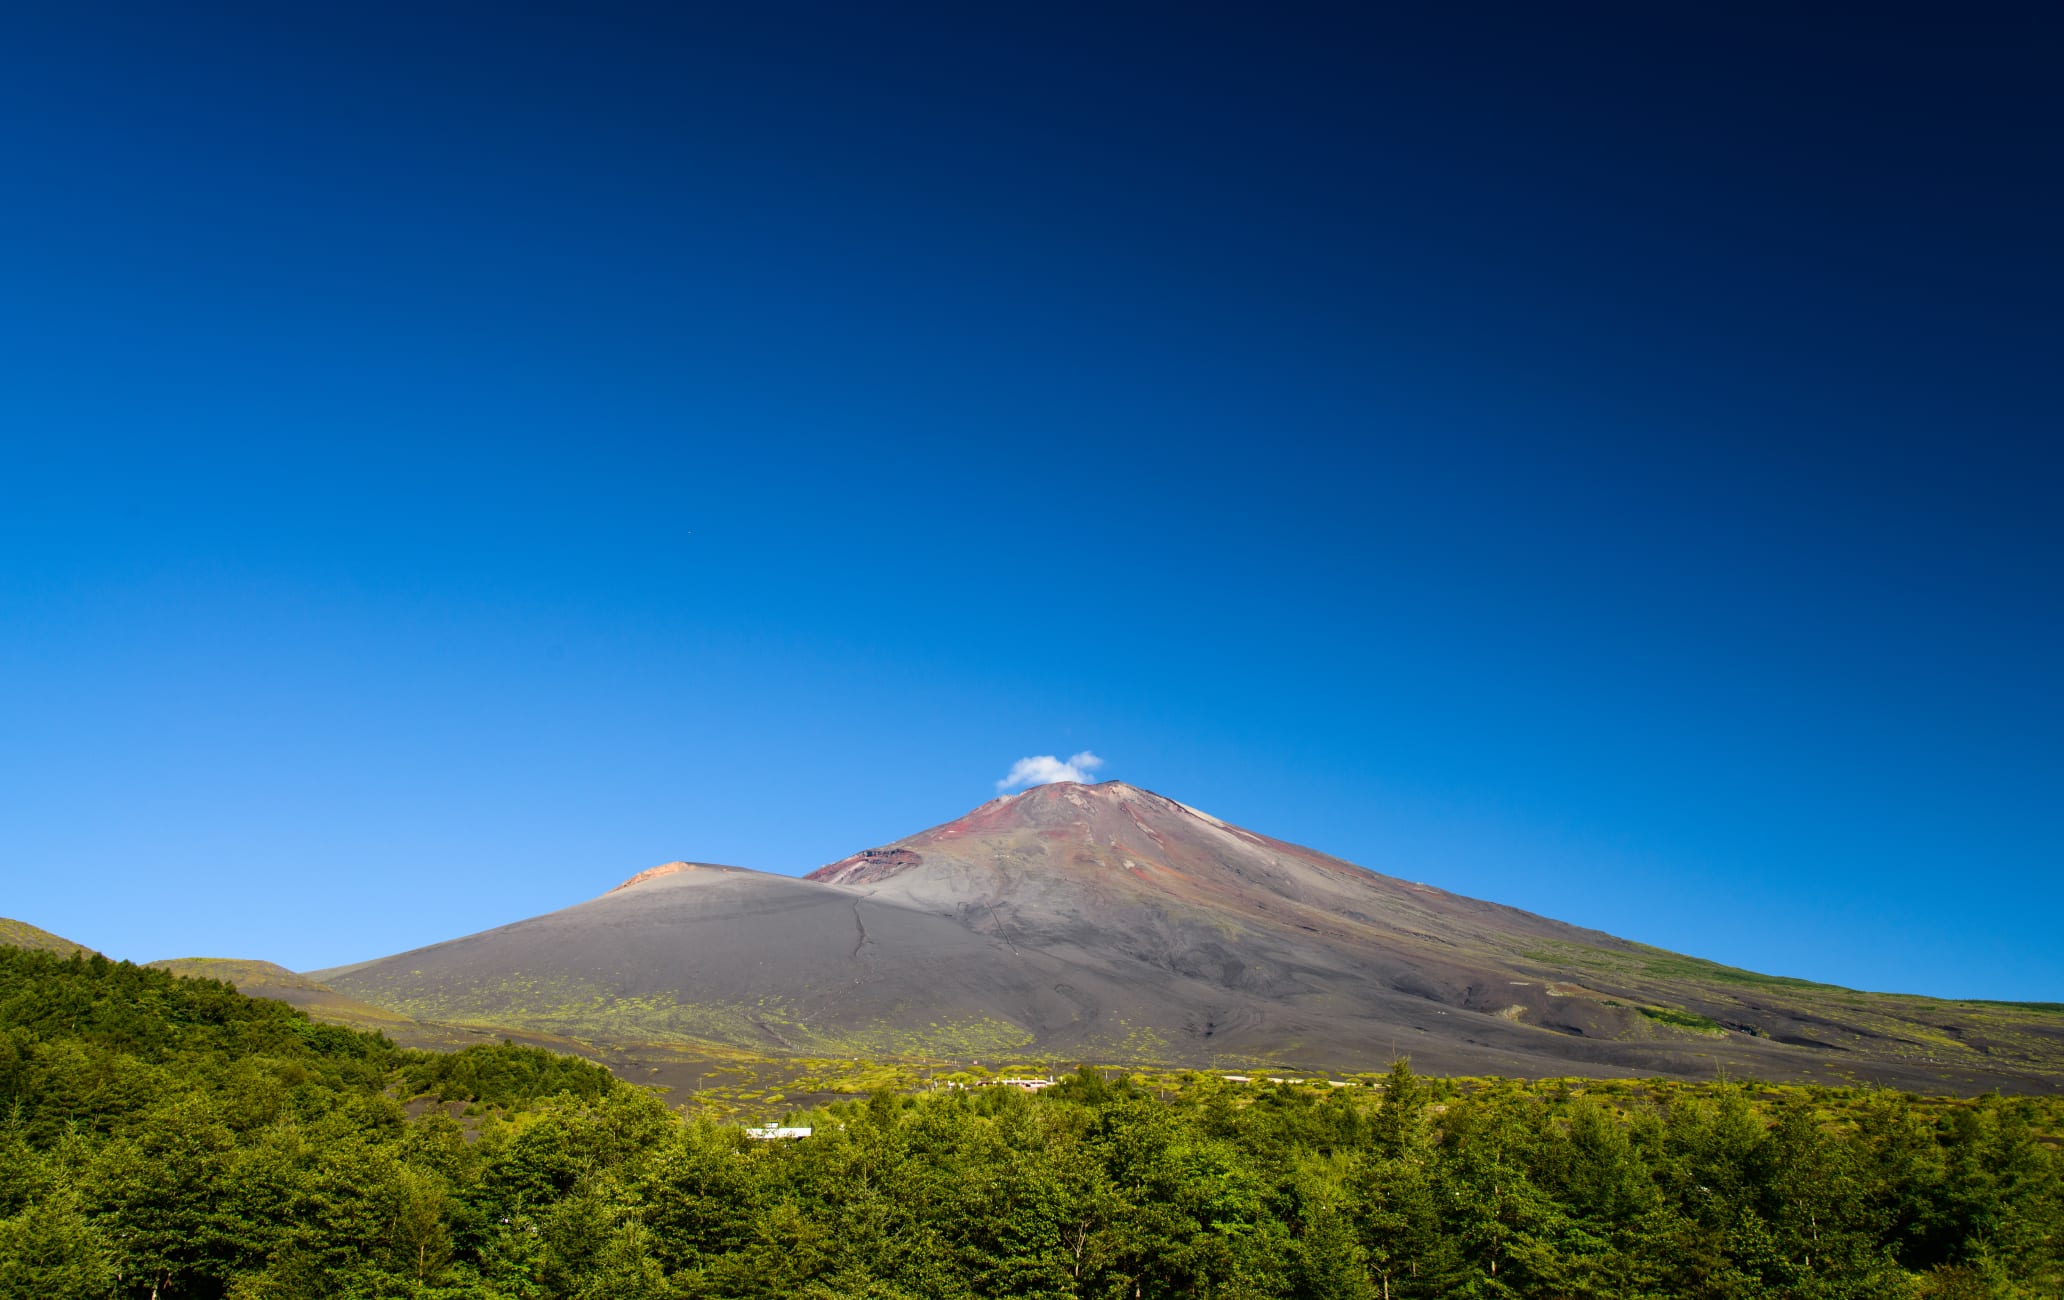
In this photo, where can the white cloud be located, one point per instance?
(1045, 769)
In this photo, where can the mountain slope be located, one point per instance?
(1110, 869)
(701, 953)
(20, 934)
(1109, 923)
(1318, 959)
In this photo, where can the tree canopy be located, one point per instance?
(166, 1137)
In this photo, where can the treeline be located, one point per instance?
(169, 1138)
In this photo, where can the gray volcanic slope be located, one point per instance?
(695, 952)
(1109, 923)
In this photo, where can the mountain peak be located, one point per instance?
(1082, 793)
(1064, 789)
(1118, 835)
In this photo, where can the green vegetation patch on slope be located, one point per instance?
(2039, 1008)
(1642, 961)
(1682, 1019)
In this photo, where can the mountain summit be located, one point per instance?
(1098, 869)
(1107, 922)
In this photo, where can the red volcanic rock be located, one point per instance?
(867, 867)
(1049, 850)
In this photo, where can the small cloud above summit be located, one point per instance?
(1045, 769)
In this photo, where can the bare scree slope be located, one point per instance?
(1105, 922)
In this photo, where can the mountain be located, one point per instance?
(1106, 922)
(20, 934)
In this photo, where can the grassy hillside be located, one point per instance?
(20, 934)
(264, 979)
(1930, 1043)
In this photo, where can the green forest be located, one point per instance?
(168, 1137)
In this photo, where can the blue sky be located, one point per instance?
(453, 462)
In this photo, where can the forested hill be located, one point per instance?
(171, 1138)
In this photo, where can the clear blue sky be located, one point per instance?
(1604, 461)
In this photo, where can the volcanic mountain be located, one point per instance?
(1105, 922)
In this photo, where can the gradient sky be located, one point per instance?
(1604, 460)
